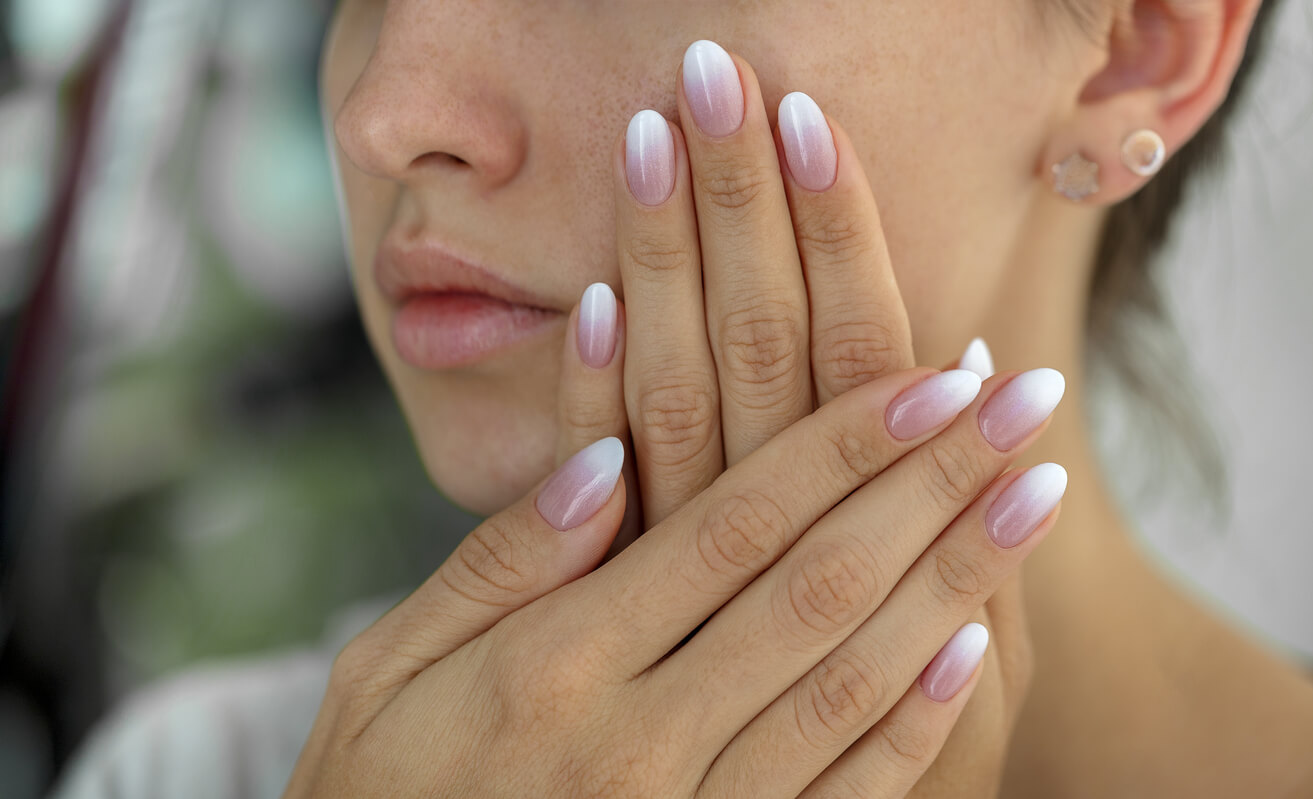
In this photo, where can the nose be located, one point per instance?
(428, 103)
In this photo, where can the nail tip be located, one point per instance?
(978, 358)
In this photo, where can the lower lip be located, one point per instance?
(439, 330)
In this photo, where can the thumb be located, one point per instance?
(555, 534)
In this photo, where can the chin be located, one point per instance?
(485, 443)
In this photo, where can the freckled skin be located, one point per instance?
(531, 98)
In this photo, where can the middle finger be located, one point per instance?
(756, 300)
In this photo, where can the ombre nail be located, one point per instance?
(1025, 503)
(955, 663)
(930, 403)
(713, 89)
(808, 142)
(977, 358)
(649, 157)
(596, 332)
(1020, 406)
(582, 485)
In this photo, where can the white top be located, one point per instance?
(229, 730)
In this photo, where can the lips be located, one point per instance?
(451, 312)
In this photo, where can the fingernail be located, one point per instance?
(955, 663)
(711, 84)
(649, 157)
(1025, 503)
(1020, 407)
(930, 403)
(808, 142)
(977, 358)
(596, 333)
(582, 485)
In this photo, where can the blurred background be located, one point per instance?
(201, 458)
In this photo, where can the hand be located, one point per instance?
(516, 671)
(773, 247)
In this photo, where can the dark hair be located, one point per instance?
(1129, 326)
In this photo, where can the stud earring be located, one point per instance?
(1076, 177)
(1143, 152)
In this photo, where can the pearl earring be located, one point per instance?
(1076, 177)
(1143, 152)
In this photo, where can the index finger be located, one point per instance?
(859, 325)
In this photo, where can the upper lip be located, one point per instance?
(403, 267)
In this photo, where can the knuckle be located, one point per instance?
(952, 472)
(761, 347)
(840, 786)
(742, 534)
(590, 420)
(844, 695)
(489, 567)
(829, 590)
(676, 419)
(854, 353)
(910, 748)
(651, 254)
(856, 459)
(733, 183)
(836, 236)
(957, 580)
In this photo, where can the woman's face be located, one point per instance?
(486, 127)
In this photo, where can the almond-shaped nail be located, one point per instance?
(713, 89)
(928, 404)
(1025, 503)
(1020, 406)
(955, 663)
(649, 157)
(808, 142)
(596, 332)
(582, 485)
(978, 358)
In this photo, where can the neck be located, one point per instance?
(1124, 661)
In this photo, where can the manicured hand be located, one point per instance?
(822, 573)
(757, 286)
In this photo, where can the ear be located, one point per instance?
(1168, 66)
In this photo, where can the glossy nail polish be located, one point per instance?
(596, 327)
(928, 404)
(1025, 503)
(649, 157)
(1020, 406)
(582, 485)
(955, 663)
(808, 142)
(978, 358)
(713, 89)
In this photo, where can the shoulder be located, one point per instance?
(227, 729)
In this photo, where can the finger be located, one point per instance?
(820, 715)
(889, 758)
(978, 742)
(590, 401)
(552, 536)
(756, 300)
(670, 384)
(859, 325)
(776, 629)
(636, 608)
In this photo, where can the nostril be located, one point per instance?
(437, 159)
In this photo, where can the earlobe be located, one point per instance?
(1169, 65)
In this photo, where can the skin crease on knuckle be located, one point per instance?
(486, 126)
